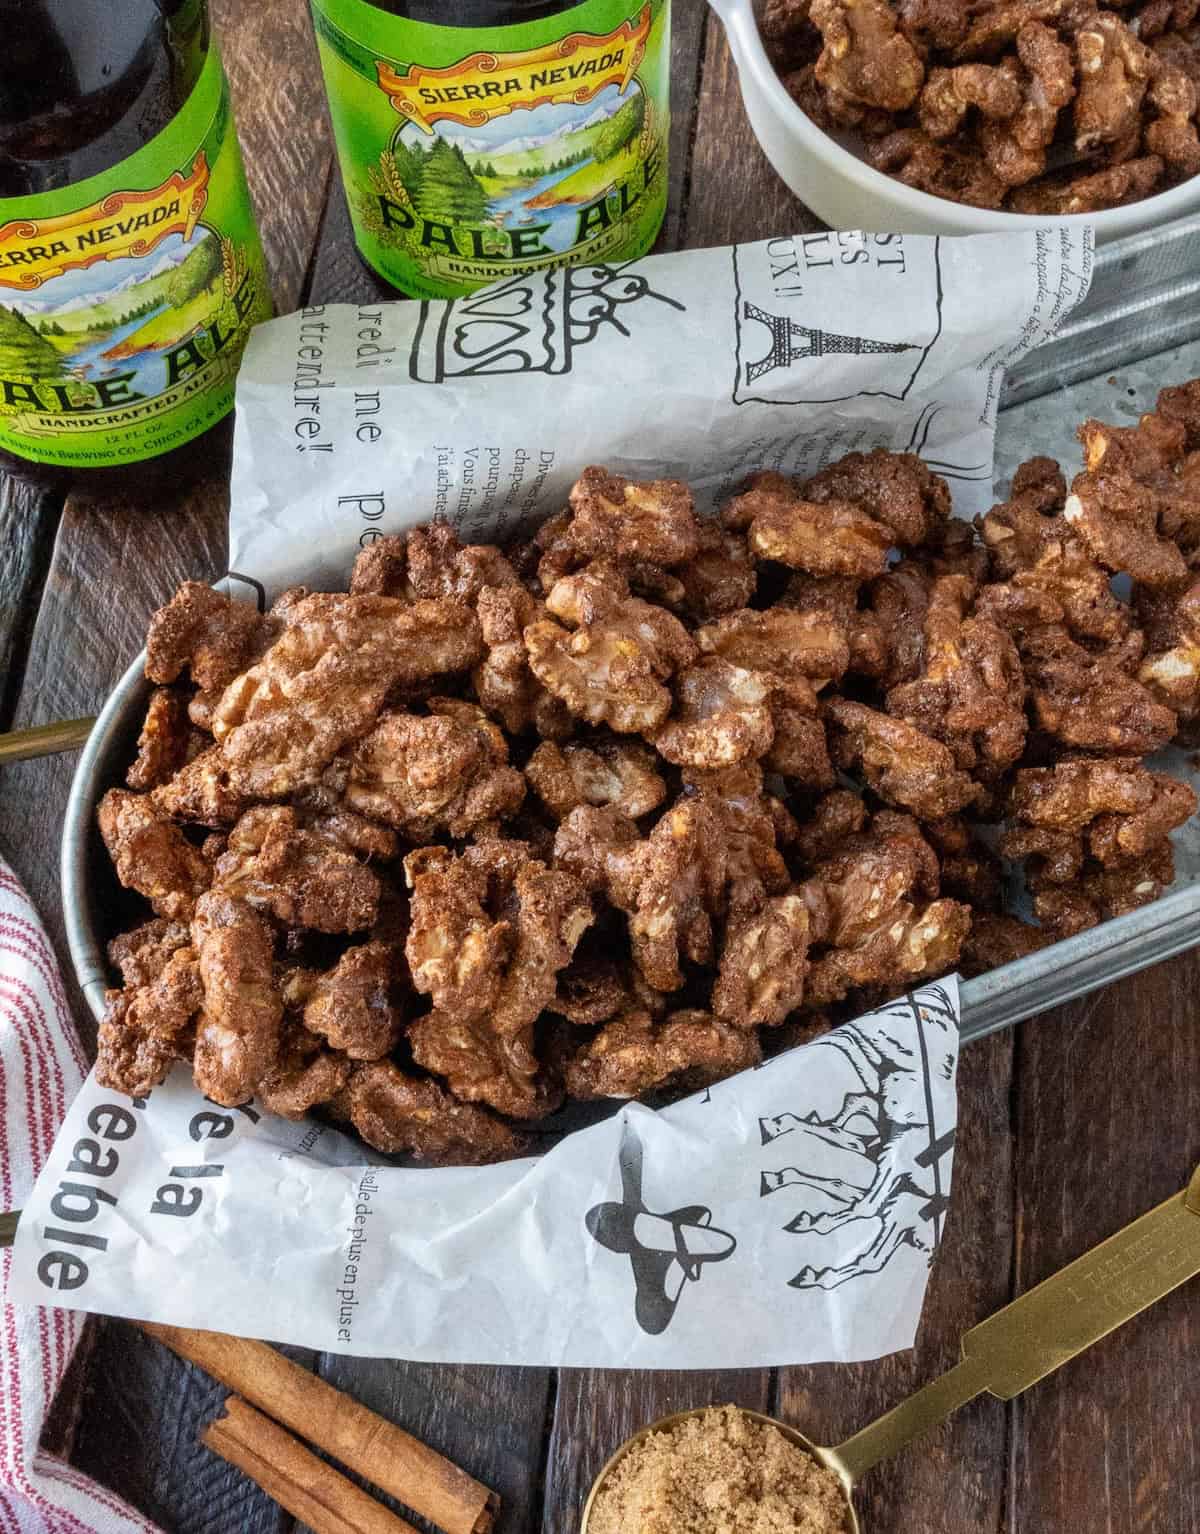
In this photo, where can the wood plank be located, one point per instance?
(278, 104)
(1109, 1125)
(491, 1421)
(28, 520)
(141, 1412)
(113, 564)
(735, 194)
(955, 1479)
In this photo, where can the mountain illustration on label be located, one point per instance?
(666, 1251)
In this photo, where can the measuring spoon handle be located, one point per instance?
(1051, 1324)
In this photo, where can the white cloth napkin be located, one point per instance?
(41, 1069)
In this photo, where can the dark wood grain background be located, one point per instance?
(1070, 1125)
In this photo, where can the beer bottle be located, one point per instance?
(479, 139)
(130, 265)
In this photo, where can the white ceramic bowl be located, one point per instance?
(833, 180)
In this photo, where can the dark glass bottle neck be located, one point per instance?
(474, 13)
(86, 84)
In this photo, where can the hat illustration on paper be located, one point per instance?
(666, 1251)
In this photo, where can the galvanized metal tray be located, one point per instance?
(1144, 298)
(1045, 403)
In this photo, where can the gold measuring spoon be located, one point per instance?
(44, 740)
(1017, 1346)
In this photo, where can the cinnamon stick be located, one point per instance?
(378, 1450)
(294, 1477)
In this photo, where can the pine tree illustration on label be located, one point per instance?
(473, 153)
(666, 1251)
(865, 1204)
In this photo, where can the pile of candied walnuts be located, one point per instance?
(494, 829)
(1035, 106)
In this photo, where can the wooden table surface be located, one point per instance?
(1069, 1126)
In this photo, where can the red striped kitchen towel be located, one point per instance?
(41, 1068)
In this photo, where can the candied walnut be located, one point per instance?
(591, 989)
(201, 792)
(722, 716)
(237, 1035)
(670, 885)
(302, 879)
(914, 945)
(798, 650)
(834, 599)
(995, 940)
(141, 953)
(1087, 702)
(1114, 68)
(503, 682)
(933, 25)
(635, 1055)
(612, 668)
(447, 771)
(352, 1008)
(720, 577)
(997, 25)
(356, 834)
(1102, 893)
(441, 568)
(1050, 855)
(304, 1075)
(751, 824)
(970, 693)
(866, 60)
(1123, 807)
(380, 569)
(128, 1060)
(1149, 451)
(1181, 404)
(831, 537)
(323, 682)
(1057, 578)
(901, 763)
(400, 1114)
(835, 817)
(620, 773)
(949, 94)
(943, 170)
(151, 855)
(205, 633)
(1172, 135)
(480, 1065)
(799, 748)
(1116, 519)
(763, 965)
(1016, 149)
(163, 743)
(896, 489)
(1171, 669)
(166, 1005)
(623, 519)
(490, 931)
(1091, 193)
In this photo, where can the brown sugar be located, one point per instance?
(719, 1472)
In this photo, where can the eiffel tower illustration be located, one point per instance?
(793, 343)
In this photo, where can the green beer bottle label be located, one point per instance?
(473, 154)
(126, 299)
